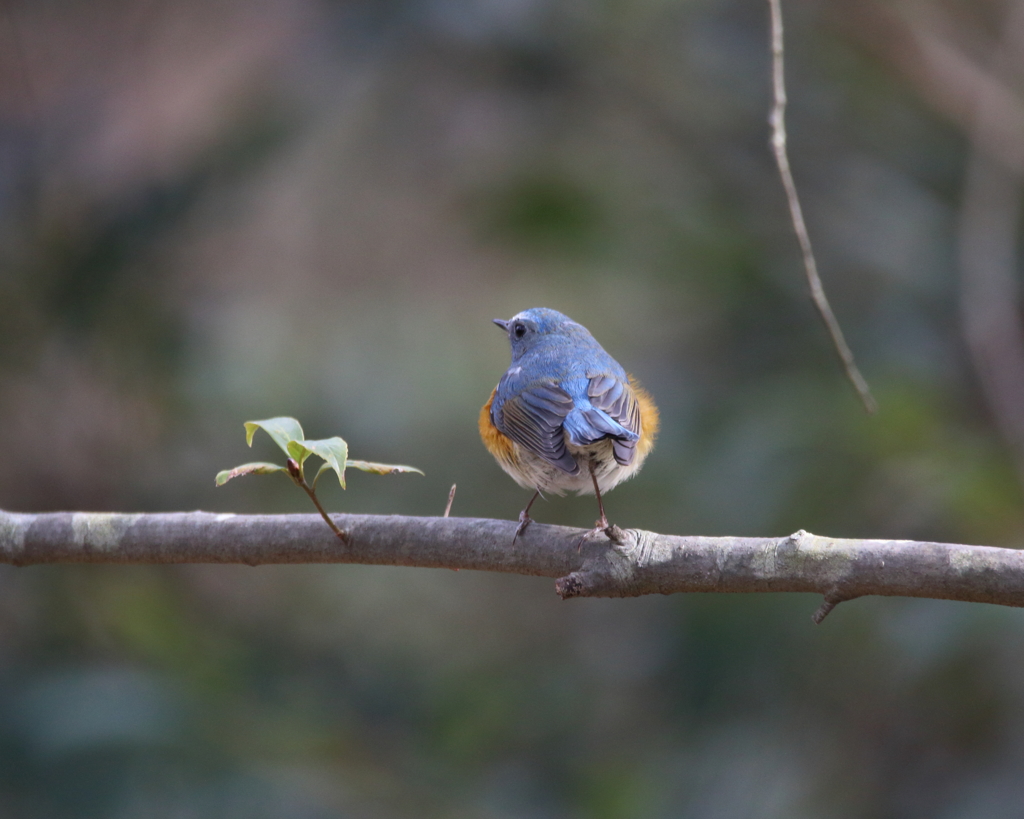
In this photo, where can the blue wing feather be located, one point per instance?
(533, 418)
(540, 417)
(615, 399)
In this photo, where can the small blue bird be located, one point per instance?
(565, 416)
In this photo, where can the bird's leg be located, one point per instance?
(524, 518)
(602, 522)
(601, 525)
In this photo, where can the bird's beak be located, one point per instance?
(502, 323)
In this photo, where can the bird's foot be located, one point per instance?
(615, 534)
(603, 527)
(524, 521)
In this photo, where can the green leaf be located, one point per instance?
(381, 469)
(334, 451)
(324, 467)
(261, 468)
(299, 451)
(282, 429)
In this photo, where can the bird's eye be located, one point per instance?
(519, 329)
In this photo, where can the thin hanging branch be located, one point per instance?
(778, 123)
(640, 563)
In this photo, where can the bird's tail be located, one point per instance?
(588, 426)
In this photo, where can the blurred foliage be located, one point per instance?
(543, 213)
(196, 196)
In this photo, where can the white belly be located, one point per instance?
(533, 472)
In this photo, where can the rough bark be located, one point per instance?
(641, 563)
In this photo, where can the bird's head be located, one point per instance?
(536, 326)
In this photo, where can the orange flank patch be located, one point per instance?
(497, 443)
(650, 420)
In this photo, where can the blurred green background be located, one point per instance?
(218, 211)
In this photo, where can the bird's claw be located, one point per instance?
(603, 527)
(615, 534)
(524, 521)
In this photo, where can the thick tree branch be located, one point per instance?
(644, 563)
